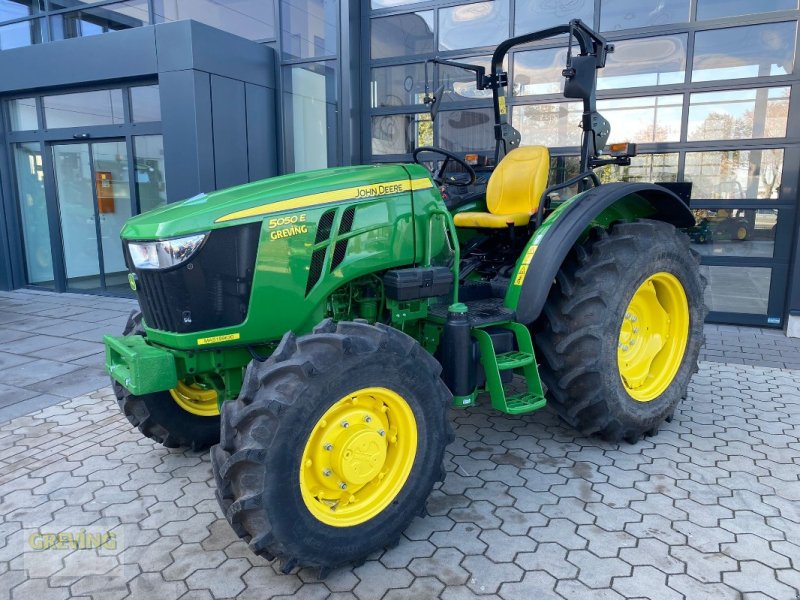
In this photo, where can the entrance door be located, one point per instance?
(93, 195)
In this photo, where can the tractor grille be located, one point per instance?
(209, 291)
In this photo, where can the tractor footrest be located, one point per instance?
(525, 402)
(514, 360)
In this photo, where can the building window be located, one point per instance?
(22, 112)
(103, 107)
(649, 119)
(643, 168)
(739, 114)
(402, 35)
(647, 61)
(310, 92)
(309, 28)
(473, 25)
(33, 212)
(628, 14)
(19, 35)
(751, 51)
(96, 20)
(552, 125)
(538, 72)
(466, 130)
(400, 134)
(735, 174)
(459, 84)
(737, 289)
(251, 19)
(150, 172)
(717, 9)
(145, 104)
(401, 85)
(533, 15)
(742, 232)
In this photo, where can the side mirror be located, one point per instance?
(435, 101)
(581, 76)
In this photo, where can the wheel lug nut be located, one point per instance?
(635, 330)
(342, 485)
(381, 432)
(627, 315)
(624, 348)
(345, 424)
(633, 319)
(367, 419)
(328, 447)
(633, 342)
(326, 473)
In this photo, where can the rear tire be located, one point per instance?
(260, 464)
(158, 417)
(583, 319)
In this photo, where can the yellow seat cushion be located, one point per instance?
(514, 190)
(482, 219)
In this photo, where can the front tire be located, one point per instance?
(159, 416)
(637, 283)
(333, 446)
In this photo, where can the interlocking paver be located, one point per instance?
(706, 509)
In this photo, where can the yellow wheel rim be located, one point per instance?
(741, 233)
(358, 457)
(195, 399)
(653, 336)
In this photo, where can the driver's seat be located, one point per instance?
(514, 190)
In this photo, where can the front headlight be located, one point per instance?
(164, 253)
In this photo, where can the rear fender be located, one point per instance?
(545, 252)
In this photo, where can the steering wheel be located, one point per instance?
(440, 177)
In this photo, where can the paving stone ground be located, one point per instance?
(708, 508)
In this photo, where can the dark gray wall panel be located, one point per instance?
(188, 139)
(122, 54)
(190, 45)
(262, 147)
(230, 131)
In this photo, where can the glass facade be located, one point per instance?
(28, 22)
(704, 87)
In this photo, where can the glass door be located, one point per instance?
(93, 196)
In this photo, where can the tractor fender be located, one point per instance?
(550, 244)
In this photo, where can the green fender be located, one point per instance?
(538, 265)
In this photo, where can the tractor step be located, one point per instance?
(514, 360)
(524, 403)
(523, 359)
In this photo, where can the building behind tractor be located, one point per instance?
(315, 327)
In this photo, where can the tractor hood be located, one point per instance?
(251, 201)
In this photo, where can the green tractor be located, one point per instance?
(315, 327)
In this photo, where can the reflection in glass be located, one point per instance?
(19, 35)
(151, 187)
(22, 112)
(737, 289)
(400, 134)
(375, 4)
(751, 51)
(145, 104)
(716, 9)
(251, 19)
(539, 72)
(309, 28)
(74, 187)
(647, 119)
(310, 93)
(735, 174)
(33, 213)
(563, 168)
(740, 114)
(459, 84)
(626, 14)
(647, 61)
(472, 25)
(113, 206)
(734, 232)
(556, 124)
(97, 20)
(102, 107)
(533, 15)
(19, 9)
(469, 130)
(402, 35)
(645, 168)
(402, 85)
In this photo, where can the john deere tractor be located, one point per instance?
(315, 327)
